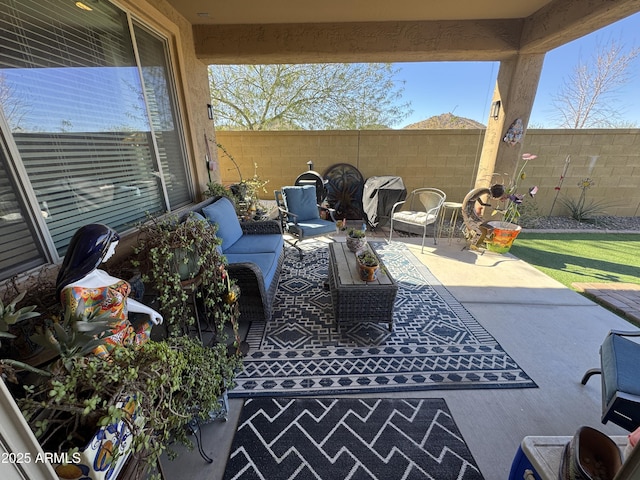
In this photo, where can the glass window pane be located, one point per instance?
(152, 52)
(18, 248)
(78, 116)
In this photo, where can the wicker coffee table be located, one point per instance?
(353, 299)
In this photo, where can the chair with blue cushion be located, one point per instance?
(619, 360)
(300, 216)
(255, 254)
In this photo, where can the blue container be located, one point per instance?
(520, 466)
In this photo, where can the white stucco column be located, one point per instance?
(515, 89)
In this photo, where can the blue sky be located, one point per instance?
(466, 88)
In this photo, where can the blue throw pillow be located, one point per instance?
(301, 201)
(224, 215)
(197, 216)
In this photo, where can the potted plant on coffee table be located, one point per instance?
(356, 239)
(368, 265)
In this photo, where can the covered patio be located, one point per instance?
(552, 332)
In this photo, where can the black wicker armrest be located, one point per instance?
(259, 228)
(249, 276)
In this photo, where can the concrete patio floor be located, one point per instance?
(552, 332)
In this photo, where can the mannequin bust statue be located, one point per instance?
(80, 279)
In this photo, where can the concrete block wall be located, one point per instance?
(447, 159)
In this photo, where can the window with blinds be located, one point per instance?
(18, 247)
(161, 104)
(97, 132)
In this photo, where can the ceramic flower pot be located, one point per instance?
(186, 263)
(97, 460)
(355, 244)
(367, 272)
(502, 236)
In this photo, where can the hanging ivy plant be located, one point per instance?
(167, 243)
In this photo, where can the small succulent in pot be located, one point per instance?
(355, 239)
(368, 265)
(368, 259)
(355, 233)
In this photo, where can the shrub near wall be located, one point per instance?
(447, 159)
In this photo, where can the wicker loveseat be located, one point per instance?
(255, 253)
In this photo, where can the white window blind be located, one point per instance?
(93, 150)
(161, 102)
(18, 248)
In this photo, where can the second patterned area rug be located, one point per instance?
(435, 344)
(329, 439)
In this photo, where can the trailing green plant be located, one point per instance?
(171, 382)
(215, 189)
(196, 240)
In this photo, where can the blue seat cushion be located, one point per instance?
(301, 201)
(620, 358)
(266, 243)
(222, 213)
(313, 228)
(266, 262)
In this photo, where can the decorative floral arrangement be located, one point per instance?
(511, 213)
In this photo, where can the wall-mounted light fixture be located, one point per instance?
(495, 109)
(210, 111)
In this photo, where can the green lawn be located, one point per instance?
(582, 257)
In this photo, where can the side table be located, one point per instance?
(355, 300)
(453, 208)
(191, 288)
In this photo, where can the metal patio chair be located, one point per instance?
(424, 208)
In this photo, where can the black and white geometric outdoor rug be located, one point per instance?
(328, 439)
(435, 344)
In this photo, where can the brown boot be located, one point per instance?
(590, 455)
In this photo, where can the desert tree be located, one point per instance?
(590, 96)
(307, 97)
(13, 107)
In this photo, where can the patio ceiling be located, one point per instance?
(336, 11)
(291, 31)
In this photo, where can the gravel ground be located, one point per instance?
(603, 223)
